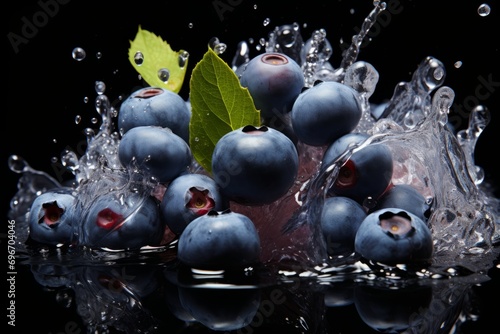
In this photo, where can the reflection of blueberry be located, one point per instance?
(274, 80)
(126, 221)
(392, 236)
(188, 197)
(156, 150)
(219, 240)
(367, 173)
(406, 197)
(391, 310)
(340, 219)
(158, 107)
(221, 309)
(255, 165)
(325, 112)
(51, 217)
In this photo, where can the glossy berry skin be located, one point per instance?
(51, 217)
(367, 173)
(406, 197)
(123, 221)
(394, 236)
(219, 240)
(324, 112)
(254, 166)
(274, 80)
(155, 106)
(189, 196)
(341, 145)
(340, 219)
(157, 151)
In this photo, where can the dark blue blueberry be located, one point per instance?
(51, 219)
(324, 112)
(156, 150)
(274, 81)
(339, 146)
(155, 106)
(393, 236)
(219, 240)
(255, 165)
(123, 221)
(340, 219)
(406, 197)
(367, 172)
(189, 196)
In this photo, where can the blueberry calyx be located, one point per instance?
(108, 219)
(148, 93)
(52, 214)
(199, 201)
(274, 59)
(396, 225)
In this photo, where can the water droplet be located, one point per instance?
(484, 10)
(54, 160)
(163, 74)
(458, 64)
(190, 25)
(86, 99)
(183, 58)
(266, 22)
(54, 141)
(17, 164)
(98, 55)
(94, 120)
(100, 87)
(254, 6)
(196, 139)
(217, 46)
(138, 58)
(78, 54)
(352, 11)
(78, 119)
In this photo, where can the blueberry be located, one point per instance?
(339, 146)
(123, 221)
(51, 217)
(406, 197)
(155, 150)
(393, 236)
(274, 81)
(155, 106)
(255, 165)
(367, 172)
(325, 112)
(340, 219)
(219, 240)
(188, 197)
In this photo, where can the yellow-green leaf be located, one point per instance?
(219, 105)
(151, 56)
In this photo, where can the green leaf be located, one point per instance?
(156, 56)
(219, 105)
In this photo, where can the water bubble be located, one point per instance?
(138, 58)
(100, 87)
(78, 54)
(458, 64)
(183, 57)
(163, 74)
(266, 22)
(484, 10)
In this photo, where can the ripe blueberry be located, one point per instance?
(274, 81)
(155, 106)
(254, 165)
(325, 112)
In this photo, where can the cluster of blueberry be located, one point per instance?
(252, 166)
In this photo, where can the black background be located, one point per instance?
(46, 86)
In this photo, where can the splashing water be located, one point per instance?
(413, 124)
